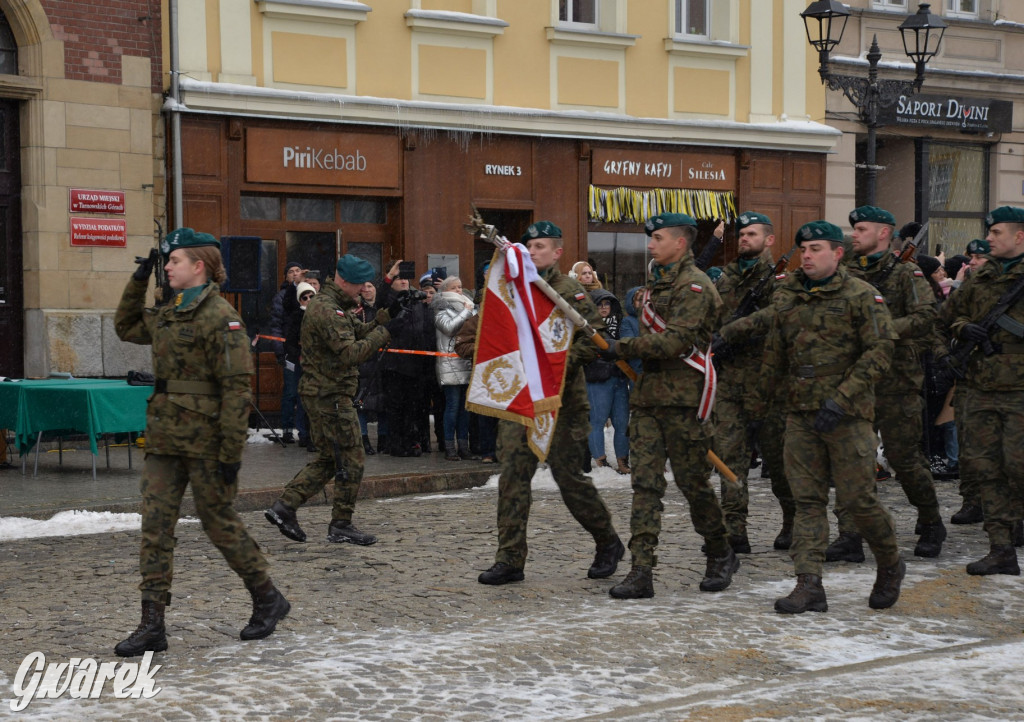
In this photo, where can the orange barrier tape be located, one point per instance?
(423, 353)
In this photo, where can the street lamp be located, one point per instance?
(825, 20)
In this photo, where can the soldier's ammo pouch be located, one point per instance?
(812, 371)
(178, 386)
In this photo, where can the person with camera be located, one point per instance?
(294, 273)
(334, 343)
(369, 404)
(294, 310)
(196, 423)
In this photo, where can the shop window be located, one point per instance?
(962, 8)
(313, 210)
(957, 195)
(256, 306)
(8, 48)
(692, 17)
(359, 211)
(890, 4)
(581, 12)
(260, 208)
(315, 250)
(371, 252)
(620, 260)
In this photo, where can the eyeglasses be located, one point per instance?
(305, 296)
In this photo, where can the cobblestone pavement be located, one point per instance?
(402, 630)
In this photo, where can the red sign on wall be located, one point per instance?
(104, 232)
(90, 201)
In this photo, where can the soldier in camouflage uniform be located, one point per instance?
(681, 309)
(898, 402)
(738, 348)
(831, 341)
(196, 426)
(992, 445)
(334, 343)
(543, 239)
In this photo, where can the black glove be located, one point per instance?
(230, 471)
(399, 303)
(974, 332)
(720, 349)
(145, 269)
(828, 416)
(397, 319)
(611, 353)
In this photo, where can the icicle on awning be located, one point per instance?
(628, 205)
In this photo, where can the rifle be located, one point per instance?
(163, 292)
(749, 303)
(905, 255)
(489, 233)
(956, 362)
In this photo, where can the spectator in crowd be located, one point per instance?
(608, 391)
(368, 397)
(433, 408)
(452, 309)
(294, 310)
(584, 273)
(293, 273)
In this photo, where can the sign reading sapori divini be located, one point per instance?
(331, 158)
(662, 169)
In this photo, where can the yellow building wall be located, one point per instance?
(582, 81)
(457, 6)
(702, 91)
(459, 72)
(310, 60)
(521, 57)
(384, 52)
(647, 64)
(742, 108)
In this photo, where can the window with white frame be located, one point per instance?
(962, 8)
(693, 17)
(580, 12)
(890, 4)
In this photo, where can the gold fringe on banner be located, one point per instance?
(628, 205)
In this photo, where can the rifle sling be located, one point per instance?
(1008, 324)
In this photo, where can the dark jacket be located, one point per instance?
(599, 370)
(413, 331)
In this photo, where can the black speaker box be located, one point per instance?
(242, 258)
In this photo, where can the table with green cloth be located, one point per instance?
(93, 407)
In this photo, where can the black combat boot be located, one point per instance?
(382, 444)
(343, 531)
(785, 538)
(740, 543)
(287, 437)
(807, 596)
(367, 446)
(268, 608)
(606, 560)
(1001, 559)
(283, 517)
(149, 636)
(1018, 533)
(501, 573)
(849, 547)
(638, 584)
(718, 574)
(887, 585)
(930, 543)
(969, 514)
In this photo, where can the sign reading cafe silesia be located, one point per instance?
(977, 115)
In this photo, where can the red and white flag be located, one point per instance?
(521, 350)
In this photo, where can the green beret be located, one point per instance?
(872, 214)
(978, 247)
(1004, 214)
(750, 218)
(714, 273)
(541, 229)
(668, 220)
(355, 269)
(819, 231)
(186, 238)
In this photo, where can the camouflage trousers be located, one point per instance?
(518, 465)
(732, 444)
(993, 447)
(899, 420)
(671, 433)
(970, 485)
(847, 456)
(164, 479)
(334, 430)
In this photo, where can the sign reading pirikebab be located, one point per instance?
(82, 678)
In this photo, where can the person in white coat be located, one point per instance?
(451, 309)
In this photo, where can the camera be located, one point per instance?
(408, 298)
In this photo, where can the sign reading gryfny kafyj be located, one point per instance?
(972, 115)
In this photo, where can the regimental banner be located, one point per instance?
(521, 350)
(102, 232)
(976, 115)
(95, 201)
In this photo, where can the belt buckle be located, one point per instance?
(805, 372)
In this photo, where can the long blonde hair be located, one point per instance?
(212, 262)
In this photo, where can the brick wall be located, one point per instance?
(98, 33)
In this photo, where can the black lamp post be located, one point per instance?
(922, 32)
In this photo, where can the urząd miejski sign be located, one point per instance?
(977, 115)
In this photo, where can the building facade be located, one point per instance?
(952, 151)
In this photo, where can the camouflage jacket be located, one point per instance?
(745, 335)
(913, 308)
(1002, 371)
(205, 342)
(335, 342)
(691, 307)
(832, 343)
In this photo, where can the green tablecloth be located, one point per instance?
(89, 406)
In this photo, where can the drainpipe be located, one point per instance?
(175, 114)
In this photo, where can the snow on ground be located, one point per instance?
(70, 523)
